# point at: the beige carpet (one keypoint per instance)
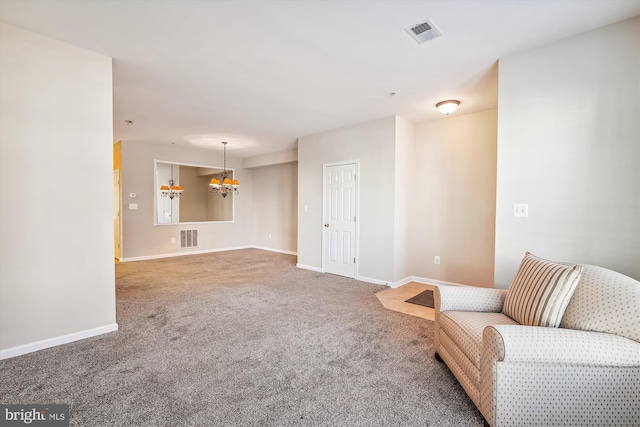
(245, 338)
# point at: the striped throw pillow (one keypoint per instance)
(541, 291)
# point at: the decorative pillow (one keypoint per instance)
(541, 291)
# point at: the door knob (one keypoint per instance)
(326, 225)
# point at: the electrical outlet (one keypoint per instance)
(173, 240)
(520, 209)
(269, 235)
(436, 259)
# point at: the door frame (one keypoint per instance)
(118, 199)
(356, 250)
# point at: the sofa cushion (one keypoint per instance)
(605, 301)
(541, 291)
(464, 369)
(465, 329)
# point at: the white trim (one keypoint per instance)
(402, 282)
(193, 165)
(374, 281)
(342, 162)
(53, 342)
(406, 280)
(193, 223)
(274, 250)
(308, 267)
(171, 255)
(156, 186)
(426, 281)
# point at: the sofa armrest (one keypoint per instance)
(463, 298)
(459, 298)
(550, 366)
(534, 344)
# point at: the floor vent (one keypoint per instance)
(188, 238)
(423, 31)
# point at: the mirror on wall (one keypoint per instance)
(194, 203)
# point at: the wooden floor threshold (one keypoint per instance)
(394, 299)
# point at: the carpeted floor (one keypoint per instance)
(245, 338)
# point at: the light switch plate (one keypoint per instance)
(133, 206)
(520, 209)
(132, 195)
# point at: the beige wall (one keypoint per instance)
(372, 143)
(219, 208)
(271, 159)
(426, 189)
(198, 204)
(275, 207)
(404, 184)
(452, 209)
(142, 239)
(57, 278)
(569, 146)
(193, 203)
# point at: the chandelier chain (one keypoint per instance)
(227, 186)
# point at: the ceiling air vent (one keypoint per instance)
(423, 31)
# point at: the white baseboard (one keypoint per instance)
(397, 284)
(275, 250)
(426, 281)
(370, 280)
(308, 267)
(361, 278)
(402, 282)
(423, 280)
(52, 342)
(204, 251)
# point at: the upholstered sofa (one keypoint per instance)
(584, 369)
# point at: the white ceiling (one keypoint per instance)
(270, 71)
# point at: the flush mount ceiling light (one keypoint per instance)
(448, 107)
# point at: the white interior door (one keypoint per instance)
(339, 228)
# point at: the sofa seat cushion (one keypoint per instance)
(461, 367)
(466, 327)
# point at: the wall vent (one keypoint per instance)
(423, 31)
(188, 238)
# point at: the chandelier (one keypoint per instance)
(227, 186)
(172, 190)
